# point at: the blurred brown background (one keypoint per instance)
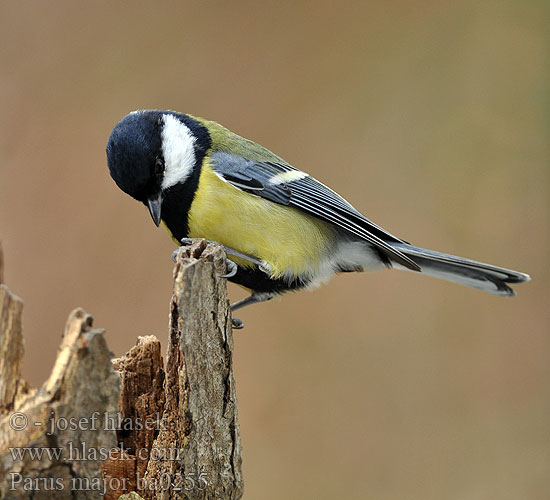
(429, 116)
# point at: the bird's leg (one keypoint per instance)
(232, 267)
(253, 298)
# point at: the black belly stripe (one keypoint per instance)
(258, 281)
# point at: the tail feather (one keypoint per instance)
(467, 272)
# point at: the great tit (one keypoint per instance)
(283, 229)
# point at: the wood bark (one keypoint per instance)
(159, 433)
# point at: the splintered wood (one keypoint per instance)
(44, 433)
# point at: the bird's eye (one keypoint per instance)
(159, 166)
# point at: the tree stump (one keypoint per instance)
(127, 428)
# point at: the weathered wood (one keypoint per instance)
(11, 348)
(58, 422)
(199, 432)
(196, 451)
(131, 496)
(141, 407)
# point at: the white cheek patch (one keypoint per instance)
(178, 151)
(291, 175)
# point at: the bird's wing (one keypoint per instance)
(286, 185)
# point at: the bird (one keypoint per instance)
(282, 229)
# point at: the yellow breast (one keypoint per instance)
(290, 241)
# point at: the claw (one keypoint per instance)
(265, 267)
(237, 324)
(174, 253)
(231, 269)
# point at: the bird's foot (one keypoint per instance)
(231, 266)
(237, 324)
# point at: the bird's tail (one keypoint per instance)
(467, 272)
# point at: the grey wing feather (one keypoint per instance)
(307, 195)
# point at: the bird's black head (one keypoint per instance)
(150, 151)
(134, 153)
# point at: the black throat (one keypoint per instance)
(177, 202)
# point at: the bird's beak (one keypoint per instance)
(155, 204)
